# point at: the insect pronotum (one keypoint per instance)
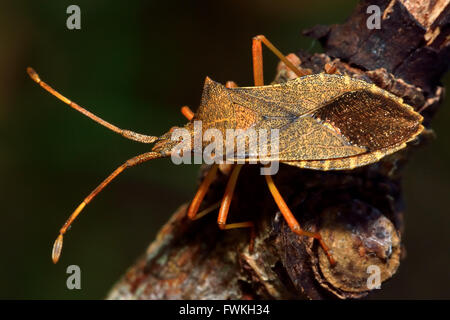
(325, 121)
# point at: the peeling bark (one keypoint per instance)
(359, 212)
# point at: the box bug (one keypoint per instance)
(326, 121)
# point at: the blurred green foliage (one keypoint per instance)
(134, 63)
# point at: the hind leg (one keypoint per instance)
(292, 222)
(258, 60)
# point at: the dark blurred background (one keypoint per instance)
(134, 63)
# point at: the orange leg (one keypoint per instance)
(330, 68)
(187, 112)
(201, 192)
(57, 247)
(292, 222)
(231, 84)
(207, 210)
(258, 60)
(126, 133)
(226, 200)
(258, 74)
(225, 207)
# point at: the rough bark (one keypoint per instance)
(358, 212)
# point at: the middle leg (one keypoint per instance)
(226, 201)
(225, 208)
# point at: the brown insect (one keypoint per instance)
(325, 122)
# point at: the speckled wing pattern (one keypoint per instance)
(327, 122)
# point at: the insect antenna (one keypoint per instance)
(126, 133)
(57, 246)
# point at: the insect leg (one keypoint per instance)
(231, 84)
(187, 112)
(226, 201)
(225, 207)
(201, 192)
(292, 222)
(126, 133)
(258, 74)
(330, 68)
(207, 210)
(256, 50)
(57, 247)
